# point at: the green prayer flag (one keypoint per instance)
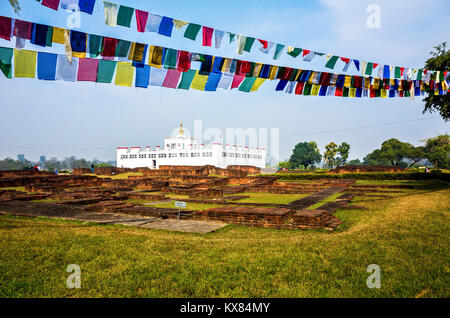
(397, 72)
(48, 40)
(345, 92)
(369, 68)
(105, 71)
(192, 31)
(122, 48)
(307, 89)
(95, 45)
(419, 75)
(124, 16)
(5, 61)
(170, 59)
(295, 52)
(407, 93)
(278, 49)
(248, 44)
(186, 79)
(247, 84)
(332, 62)
(252, 69)
(294, 75)
(232, 36)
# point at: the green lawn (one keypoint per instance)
(407, 236)
(270, 197)
(189, 205)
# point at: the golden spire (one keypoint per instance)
(181, 132)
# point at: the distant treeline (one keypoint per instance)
(68, 163)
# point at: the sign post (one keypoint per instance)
(180, 205)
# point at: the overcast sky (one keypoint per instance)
(90, 120)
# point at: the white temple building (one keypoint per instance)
(185, 151)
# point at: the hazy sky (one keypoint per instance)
(90, 120)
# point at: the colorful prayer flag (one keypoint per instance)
(87, 70)
(124, 74)
(207, 36)
(111, 10)
(46, 66)
(141, 20)
(6, 55)
(166, 26)
(192, 31)
(24, 63)
(105, 71)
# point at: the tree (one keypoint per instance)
(305, 154)
(394, 150)
(437, 151)
(330, 152)
(415, 155)
(343, 151)
(440, 60)
(354, 162)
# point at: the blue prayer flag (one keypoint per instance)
(142, 76)
(265, 71)
(386, 72)
(39, 35)
(356, 64)
(78, 41)
(166, 26)
(86, 6)
(213, 81)
(46, 66)
(217, 65)
(281, 85)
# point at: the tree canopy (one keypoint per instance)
(440, 60)
(437, 151)
(305, 154)
(330, 153)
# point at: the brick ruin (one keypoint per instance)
(204, 184)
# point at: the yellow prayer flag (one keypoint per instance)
(24, 63)
(273, 72)
(131, 51)
(315, 90)
(383, 93)
(376, 83)
(199, 81)
(367, 83)
(348, 81)
(124, 74)
(257, 84)
(58, 35)
(179, 24)
(352, 92)
(226, 65)
(154, 56)
(79, 54)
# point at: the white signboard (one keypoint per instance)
(180, 204)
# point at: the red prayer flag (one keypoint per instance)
(171, 79)
(207, 36)
(109, 47)
(373, 93)
(401, 71)
(87, 69)
(237, 80)
(339, 91)
(184, 61)
(346, 60)
(22, 29)
(299, 88)
(141, 20)
(305, 52)
(264, 43)
(52, 4)
(5, 28)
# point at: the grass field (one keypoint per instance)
(407, 236)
